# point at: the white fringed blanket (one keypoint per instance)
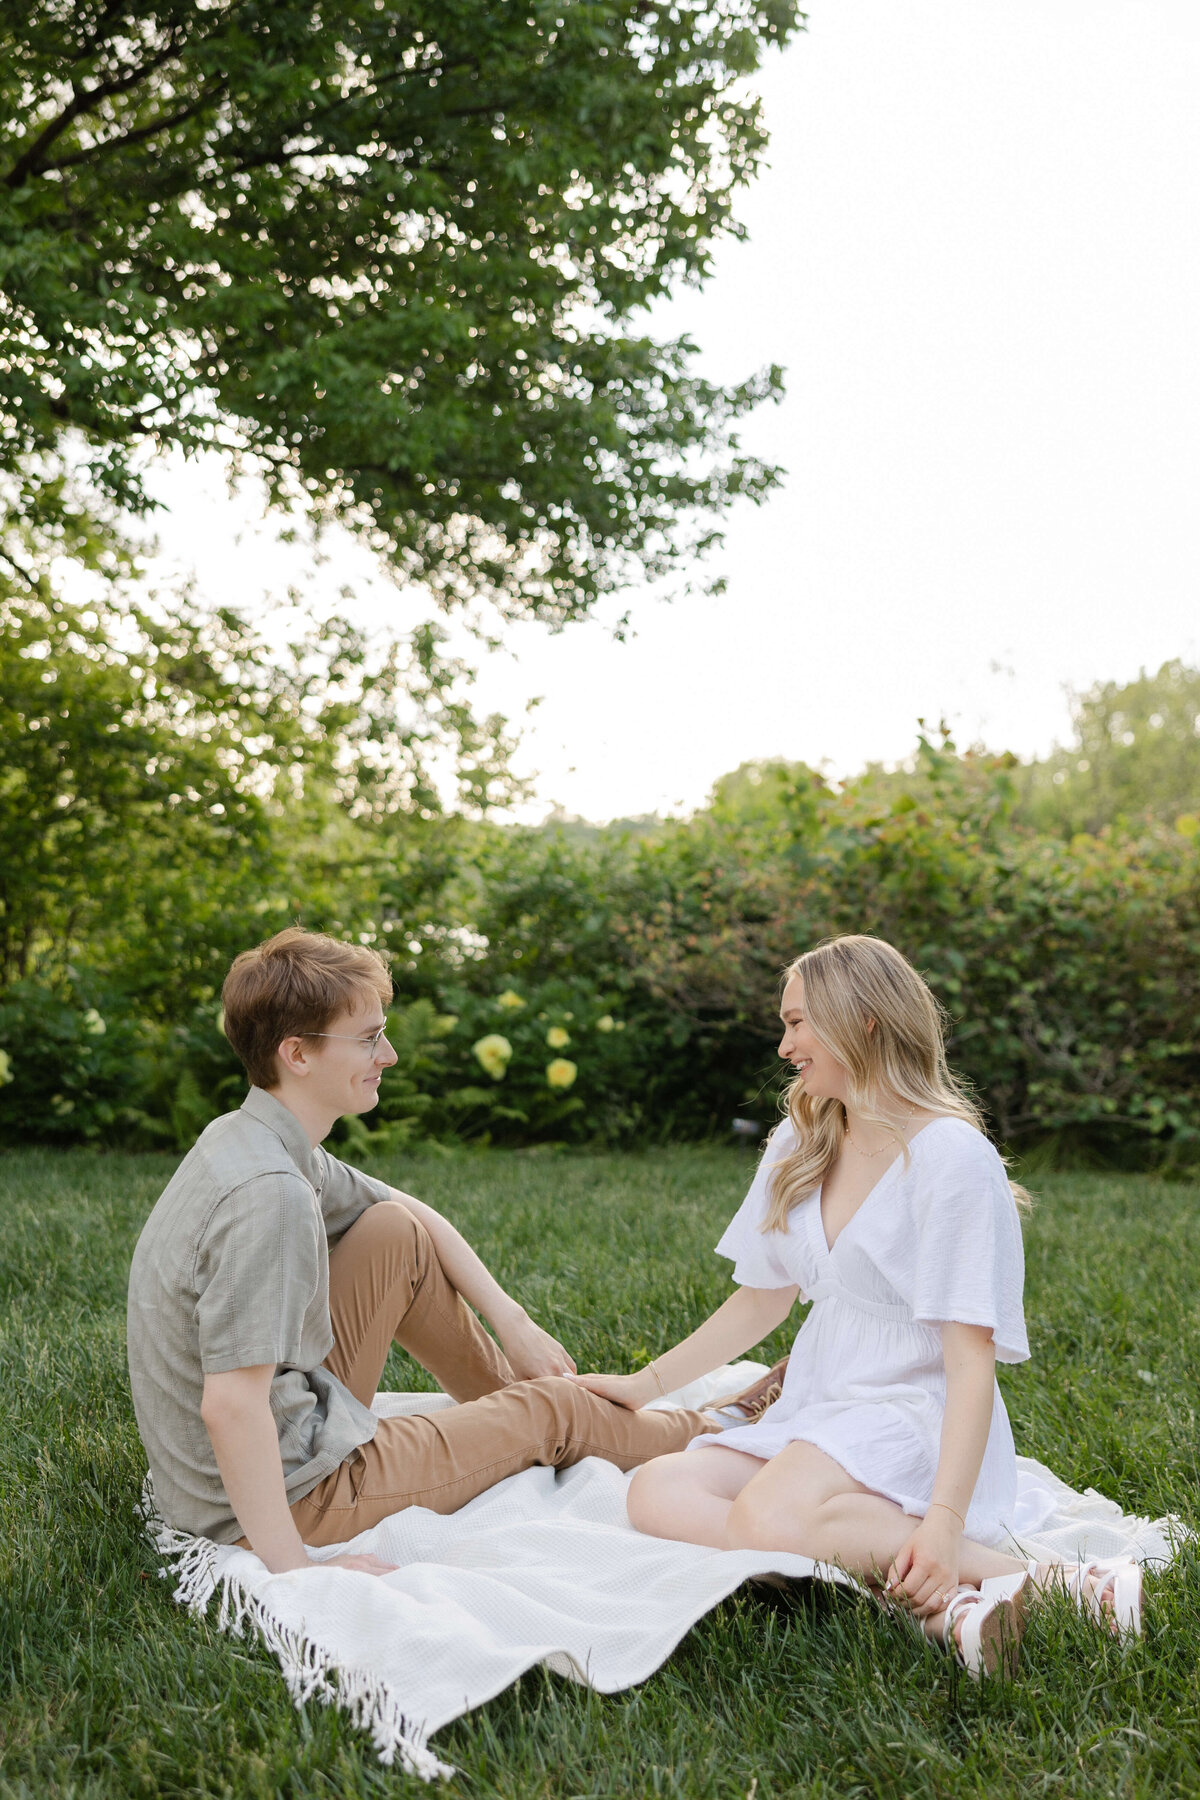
(542, 1569)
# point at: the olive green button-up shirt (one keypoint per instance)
(232, 1270)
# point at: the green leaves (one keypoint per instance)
(388, 254)
(162, 779)
(1136, 754)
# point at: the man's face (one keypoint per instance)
(345, 1067)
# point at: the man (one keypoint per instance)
(271, 1279)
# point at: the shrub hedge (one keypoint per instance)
(632, 978)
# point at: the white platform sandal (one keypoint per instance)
(1087, 1584)
(992, 1624)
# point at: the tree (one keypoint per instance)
(161, 775)
(1136, 754)
(386, 253)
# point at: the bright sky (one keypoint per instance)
(976, 254)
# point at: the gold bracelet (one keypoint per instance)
(950, 1509)
(654, 1371)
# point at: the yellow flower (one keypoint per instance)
(511, 999)
(494, 1053)
(606, 1023)
(557, 1038)
(6, 1073)
(93, 1024)
(444, 1023)
(561, 1073)
(620, 1025)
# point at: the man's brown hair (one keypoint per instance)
(294, 984)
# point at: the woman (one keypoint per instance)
(888, 1451)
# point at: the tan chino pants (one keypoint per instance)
(386, 1284)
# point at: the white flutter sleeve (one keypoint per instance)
(758, 1256)
(970, 1262)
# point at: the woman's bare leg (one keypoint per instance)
(800, 1501)
(688, 1496)
(804, 1501)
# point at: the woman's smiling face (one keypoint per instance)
(824, 1077)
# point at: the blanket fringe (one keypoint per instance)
(310, 1674)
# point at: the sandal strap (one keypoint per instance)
(960, 1602)
(1086, 1584)
(978, 1654)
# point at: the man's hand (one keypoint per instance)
(924, 1574)
(366, 1565)
(530, 1350)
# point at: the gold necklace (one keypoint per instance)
(868, 1154)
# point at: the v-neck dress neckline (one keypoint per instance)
(901, 1161)
(937, 1238)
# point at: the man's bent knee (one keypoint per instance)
(580, 1420)
(389, 1226)
(563, 1403)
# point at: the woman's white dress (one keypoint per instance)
(936, 1239)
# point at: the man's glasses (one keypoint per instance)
(368, 1043)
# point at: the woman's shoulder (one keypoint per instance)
(953, 1146)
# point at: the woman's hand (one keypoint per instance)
(924, 1574)
(530, 1350)
(633, 1391)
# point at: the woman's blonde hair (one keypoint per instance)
(869, 1007)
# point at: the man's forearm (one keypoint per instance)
(474, 1281)
(246, 1447)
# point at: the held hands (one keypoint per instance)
(530, 1350)
(924, 1574)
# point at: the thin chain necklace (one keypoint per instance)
(868, 1154)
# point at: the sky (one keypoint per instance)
(975, 253)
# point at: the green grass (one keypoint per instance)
(106, 1688)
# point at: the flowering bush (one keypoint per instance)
(494, 1053)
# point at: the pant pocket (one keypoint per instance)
(355, 1471)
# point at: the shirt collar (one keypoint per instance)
(291, 1134)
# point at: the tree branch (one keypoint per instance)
(144, 131)
(26, 164)
(27, 575)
